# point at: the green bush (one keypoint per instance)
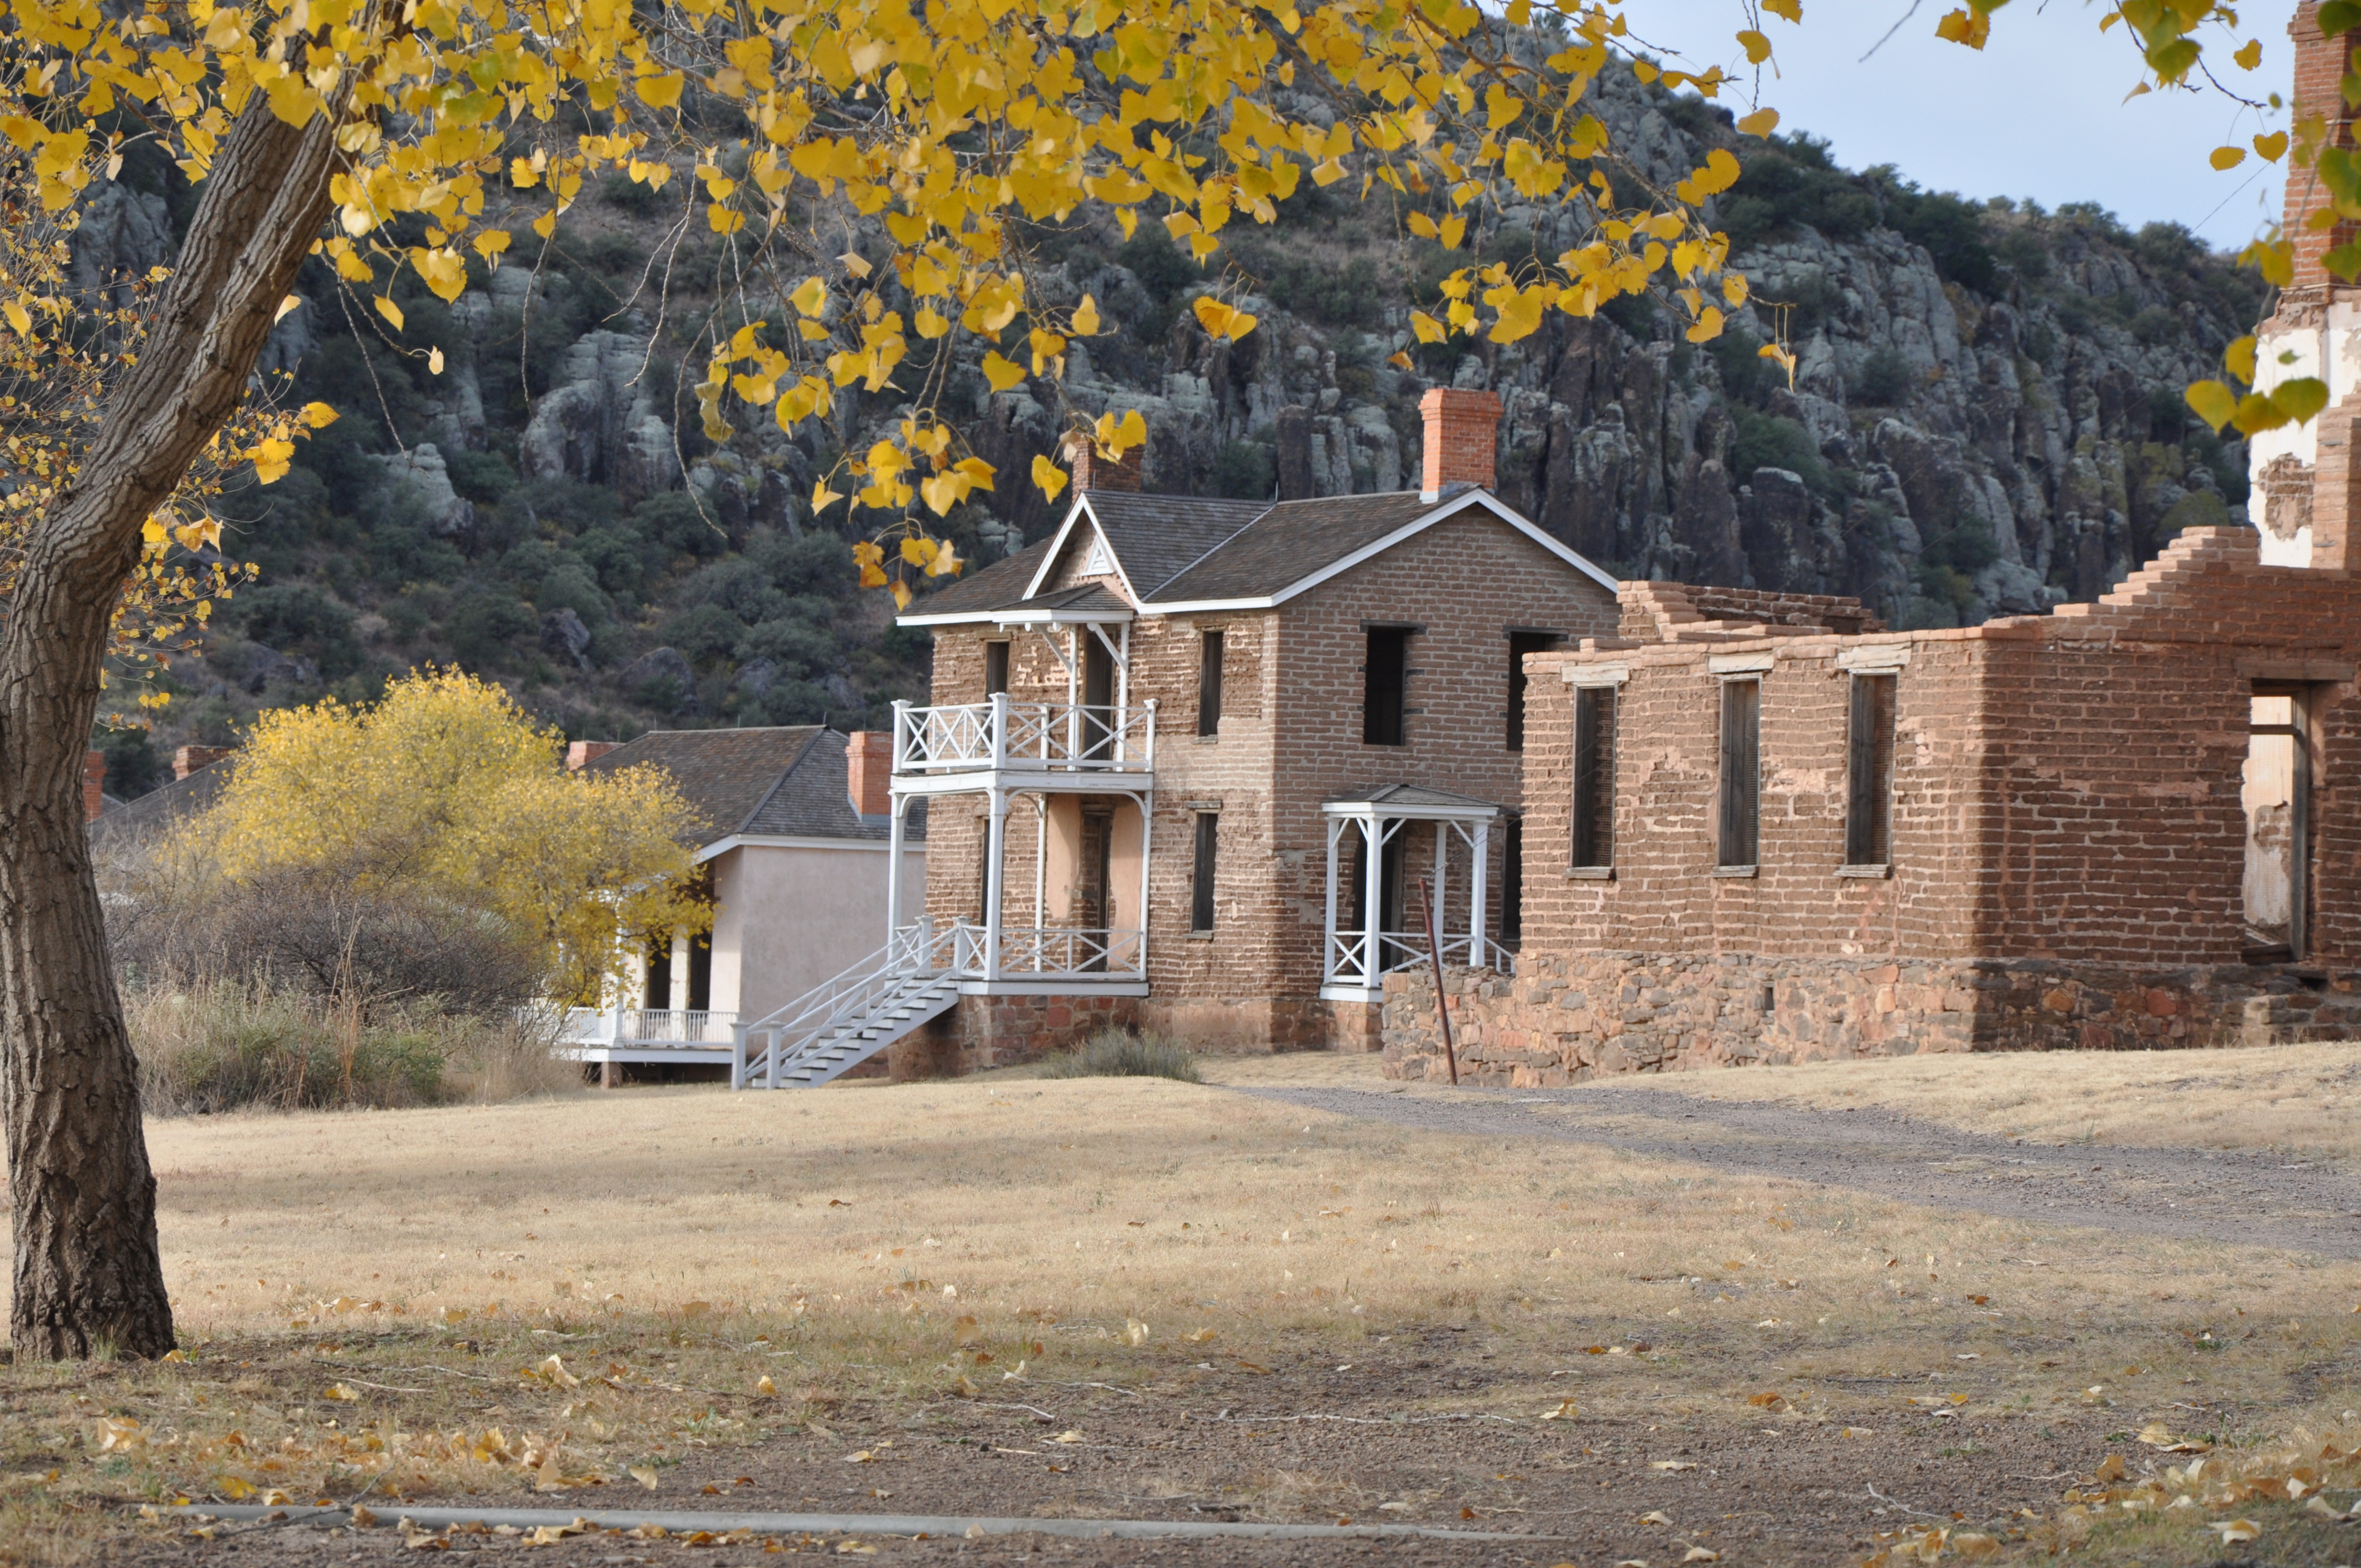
(1118, 1053)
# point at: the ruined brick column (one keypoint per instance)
(2303, 477)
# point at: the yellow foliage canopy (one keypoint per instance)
(449, 789)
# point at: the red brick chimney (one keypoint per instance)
(93, 784)
(1460, 426)
(189, 758)
(1092, 472)
(581, 752)
(2320, 67)
(869, 769)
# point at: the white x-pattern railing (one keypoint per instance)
(1043, 736)
(1401, 950)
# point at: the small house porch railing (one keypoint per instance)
(1001, 735)
(647, 1028)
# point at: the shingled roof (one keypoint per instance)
(120, 827)
(785, 780)
(1176, 551)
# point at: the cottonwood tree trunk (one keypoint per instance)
(88, 1277)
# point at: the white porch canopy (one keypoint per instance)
(1355, 962)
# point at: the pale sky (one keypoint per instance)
(2038, 114)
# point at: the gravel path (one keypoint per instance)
(2259, 1200)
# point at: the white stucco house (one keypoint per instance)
(797, 821)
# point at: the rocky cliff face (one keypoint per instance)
(1991, 433)
(1984, 418)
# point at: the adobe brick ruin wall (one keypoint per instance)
(1567, 1017)
(2067, 852)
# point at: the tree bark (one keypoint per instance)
(88, 1279)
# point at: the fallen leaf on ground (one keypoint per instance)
(1564, 1411)
(1674, 1464)
(2236, 1530)
(644, 1474)
(1656, 1516)
(1700, 1554)
(343, 1391)
(1069, 1437)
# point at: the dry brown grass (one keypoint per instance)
(2301, 1098)
(1095, 1230)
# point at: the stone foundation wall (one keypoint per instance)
(982, 1032)
(1566, 1018)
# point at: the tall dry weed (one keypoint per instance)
(227, 1045)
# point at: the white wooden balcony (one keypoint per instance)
(1063, 744)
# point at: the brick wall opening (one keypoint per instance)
(2275, 788)
(1869, 772)
(1741, 773)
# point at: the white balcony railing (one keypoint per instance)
(1033, 736)
(1349, 954)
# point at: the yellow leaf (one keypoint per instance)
(1968, 27)
(660, 92)
(291, 302)
(434, 362)
(235, 1488)
(855, 263)
(901, 591)
(918, 552)
(2227, 156)
(823, 498)
(1085, 320)
(1760, 123)
(18, 317)
(1453, 230)
(811, 298)
(390, 311)
(2270, 149)
(724, 220)
(1428, 329)
(1048, 476)
(2300, 399)
(1757, 46)
(1708, 327)
(343, 1391)
(319, 416)
(1001, 372)
(645, 1476)
(2239, 358)
(2249, 55)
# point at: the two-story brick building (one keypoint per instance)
(1188, 761)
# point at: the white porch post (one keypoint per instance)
(894, 868)
(1373, 885)
(995, 840)
(1328, 929)
(1040, 862)
(1147, 836)
(1476, 956)
(1074, 697)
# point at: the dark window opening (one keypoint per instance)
(1869, 773)
(1512, 880)
(1385, 681)
(1200, 890)
(1594, 776)
(700, 973)
(1520, 644)
(995, 669)
(1209, 686)
(658, 990)
(1098, 694)
(1093, 890)
(1741, 751)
